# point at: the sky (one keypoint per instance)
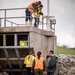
(64, 12)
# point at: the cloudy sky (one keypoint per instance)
(64, 12)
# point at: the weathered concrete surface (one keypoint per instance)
(26, 29)
(40, 40)
(65, 65)
(41, 43)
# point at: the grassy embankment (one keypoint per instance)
(63, 50)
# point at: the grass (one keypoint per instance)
(63, 50)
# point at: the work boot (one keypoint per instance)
(26, 24)
(35, 25)
(30, 23)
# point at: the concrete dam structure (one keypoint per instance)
(17, 41)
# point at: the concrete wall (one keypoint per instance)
(65, 65)
(41, 43)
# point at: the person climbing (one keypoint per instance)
(31, 8)
(37, 15)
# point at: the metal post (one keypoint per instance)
(54, 39)
(5, 19)
(15, 39)
(4, 40)
(0, 22)
(48, 11)
(52, 25)
(11, 24)
(48, 23)
(48, 14)
(42, 21)
(17, 53)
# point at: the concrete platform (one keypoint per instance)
(26, 29)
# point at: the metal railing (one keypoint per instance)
(10, 19)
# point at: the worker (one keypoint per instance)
(30, 10)
(28, 62)
(51, 66)
(38, 64)
(37, 15)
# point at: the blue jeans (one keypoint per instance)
(28, 15)
(36, 23)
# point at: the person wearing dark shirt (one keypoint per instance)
(51, 66)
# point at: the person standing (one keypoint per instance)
(38, 64)
(28, 62)
(37, 15)
(52, 60)
(31, 8)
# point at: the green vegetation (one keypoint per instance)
(63, 50)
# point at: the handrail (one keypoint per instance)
(12, 22)
(14, 17)
(5, 18)
(11, 9)
(5, 15)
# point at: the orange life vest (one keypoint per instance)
(30, 7)
(38, 63)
